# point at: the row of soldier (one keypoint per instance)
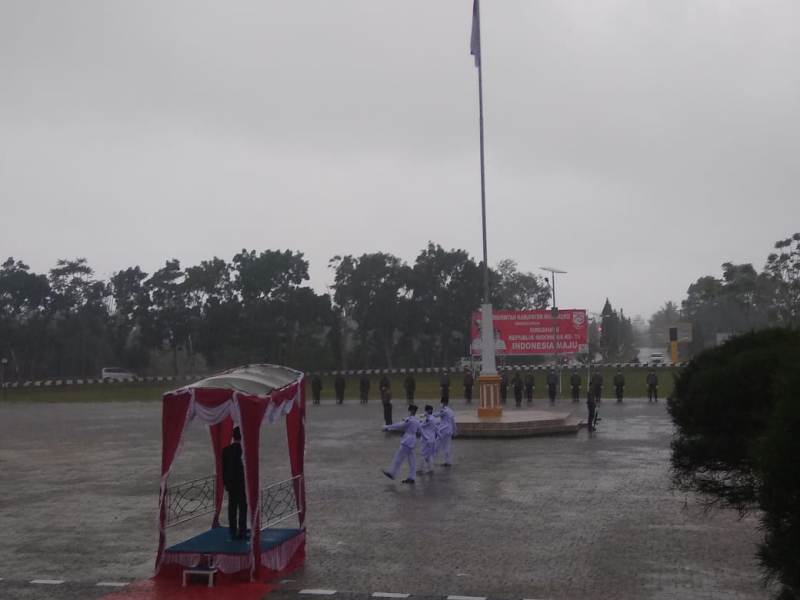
(519, 385)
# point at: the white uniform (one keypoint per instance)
(429, 438)
(409, 426)
(446, 429)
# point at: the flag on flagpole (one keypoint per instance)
(475, 41)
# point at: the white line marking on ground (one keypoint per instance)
(48, 581)
(389, 595)
(318, 592)
(111, 584)
(466, 598)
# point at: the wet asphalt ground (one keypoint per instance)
(553, 517)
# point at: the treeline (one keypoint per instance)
(742, 299)
(257, 307)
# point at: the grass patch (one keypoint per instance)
(100, 392)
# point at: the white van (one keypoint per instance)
(116, 374)
(656, 358)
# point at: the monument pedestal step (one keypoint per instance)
(515, 422)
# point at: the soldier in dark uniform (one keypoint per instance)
(386, 399)
(575, 384)
(619, 384)
(516, 383)
(503, 387)
(596, 386)
(316, 388)
(410, 386)
(233, 479)
(338, 386)
(652, 386)
(530, 383)
(363, 388)
(469, 381)
(552, 386)
(591, 405)
(444, 384)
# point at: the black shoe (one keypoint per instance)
(447, 465)
(389, 475)
(407, 481)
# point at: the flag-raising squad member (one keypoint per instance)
(410, 427)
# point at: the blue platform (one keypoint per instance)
(218, 541)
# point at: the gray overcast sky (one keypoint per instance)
(636, 144)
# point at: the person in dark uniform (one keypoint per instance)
(444, 385)
(233, 480)
(410, 385)
(652, 386)
(619, 384)
(517, 384)
(530, 384)
(575, 384)
(469, 381)
(338, 386)
(591, 405)
(552, 386)
(316, 388)
(596, 386)
(363, 388)
(503, 387)
(386, 399)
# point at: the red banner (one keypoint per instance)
(522, 332)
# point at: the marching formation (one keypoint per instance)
(434, 429)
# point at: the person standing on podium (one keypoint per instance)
(233, 480)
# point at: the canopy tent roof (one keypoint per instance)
(255, 380)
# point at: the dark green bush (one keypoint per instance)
(736, 409)
(778, 467)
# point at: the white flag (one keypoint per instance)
(475, 42)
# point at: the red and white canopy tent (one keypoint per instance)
(243, 397)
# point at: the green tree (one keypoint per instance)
(130, 318)
(169, 314)
(516, 290)
(23, 301)
(447, 286)
(735, 303)
(665, 317)
(616, 335)
(214, 310)
(372, 293)
(77, 321)
(737, 417)
(267, 284)
(783, 272)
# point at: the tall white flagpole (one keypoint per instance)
(488, 364)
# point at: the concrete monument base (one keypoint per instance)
(516, 422)
(489, 397)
